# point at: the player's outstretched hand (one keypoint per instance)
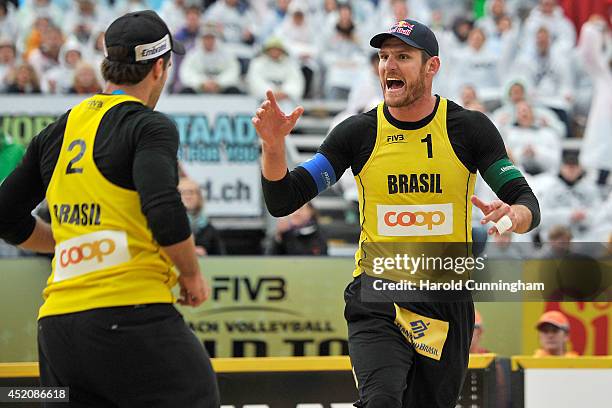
(194, 290)
(495, 211)
(271, 123)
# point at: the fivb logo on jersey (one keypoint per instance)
(90, 253)
(415, 220)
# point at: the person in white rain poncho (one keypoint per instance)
(536, 148)
(597, 146)
(209, 68)
(275, 69)
(570, 198)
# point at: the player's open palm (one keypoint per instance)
(495, 211)
(271, 123)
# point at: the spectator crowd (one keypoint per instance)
(540, 73)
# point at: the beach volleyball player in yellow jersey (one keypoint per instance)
(108, 168)
(414, 158)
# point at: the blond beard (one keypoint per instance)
(415, 90)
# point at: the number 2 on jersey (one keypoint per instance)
(427, 139)
(80, 143)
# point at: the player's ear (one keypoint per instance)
(433, 65)
(158, 68)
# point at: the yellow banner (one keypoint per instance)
(273, 307)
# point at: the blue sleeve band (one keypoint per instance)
(321, 171)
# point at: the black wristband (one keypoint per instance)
(517, 191)
(531, 202)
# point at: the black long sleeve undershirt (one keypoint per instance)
(135, 148)
(475, 140)
(286, 195)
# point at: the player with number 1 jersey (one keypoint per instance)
(414, 158)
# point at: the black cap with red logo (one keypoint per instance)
(411, 32)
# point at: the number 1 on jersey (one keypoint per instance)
(427, 139)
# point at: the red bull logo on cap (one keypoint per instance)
(402, 27)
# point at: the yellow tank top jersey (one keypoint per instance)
(105, 254)
(413, 188)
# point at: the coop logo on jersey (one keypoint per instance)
(89, 253)
(402, 27)
(415, 220)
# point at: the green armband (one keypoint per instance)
(499, 173)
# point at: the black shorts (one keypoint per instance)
(411, 355)
(133, 356)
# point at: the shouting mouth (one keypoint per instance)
(394, 85)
